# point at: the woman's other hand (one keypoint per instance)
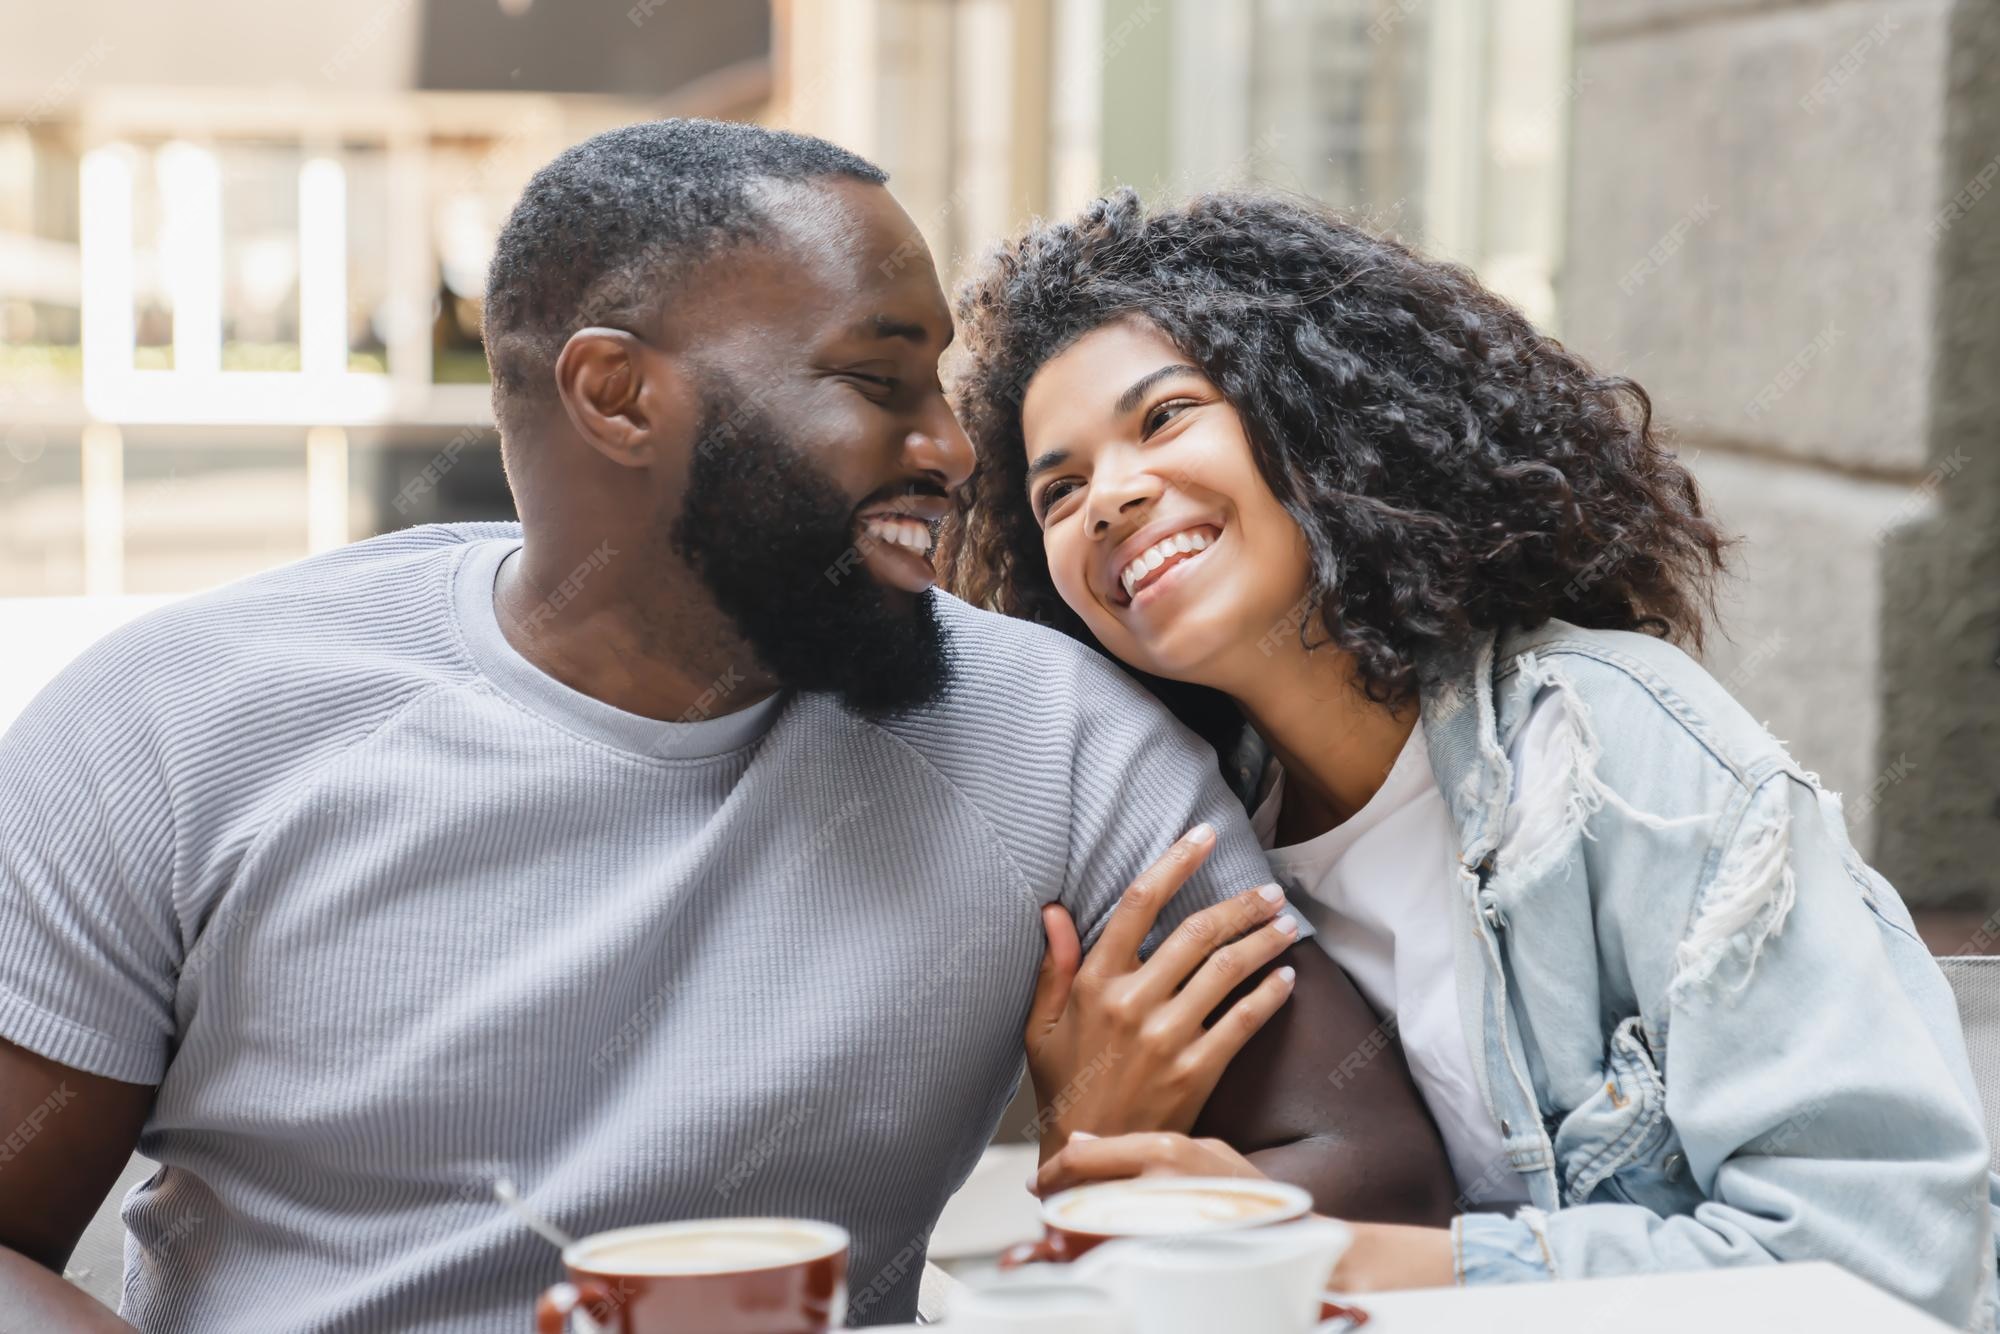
(1116, 1045)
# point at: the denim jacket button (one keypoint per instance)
(1673, 1165)
(1505, 1129)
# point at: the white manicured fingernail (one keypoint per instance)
(1201, 833)
(1081, 1134)
(1287, 973)
(1271, 894)
(1287, 924)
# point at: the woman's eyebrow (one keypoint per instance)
(1130, 398)
(1048, 462)
(1127, 401)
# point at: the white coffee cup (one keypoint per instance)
(1032, 1306)
(1268, 1279)
(1077, 1220)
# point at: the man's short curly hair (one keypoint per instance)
(602, 233)
(1452, 469)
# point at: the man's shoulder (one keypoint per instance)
(1017, 670)
(1043, 735)
(1027, 705)
(370, 591)
(352, 573)
(303, 636)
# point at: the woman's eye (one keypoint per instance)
(1165, 412)
(1053, 493)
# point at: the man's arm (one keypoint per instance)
(1208, 1035)
(67, 1137)
(1321, 1094)
(1322, 1098)
(1312, 1090)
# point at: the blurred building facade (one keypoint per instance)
(240, 264)
(240, 267)
(1441, 120)
(1777, 222)
(241, 261)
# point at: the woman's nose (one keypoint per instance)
(1101, 523)
(1115, 494)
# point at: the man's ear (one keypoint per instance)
(622, 396)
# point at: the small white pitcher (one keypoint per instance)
(1264, 1280)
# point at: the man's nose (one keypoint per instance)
(942, 451)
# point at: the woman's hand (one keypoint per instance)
(1086, 1158)
(1383, 1257)
(1116, 1045)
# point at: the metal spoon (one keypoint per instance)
(503, 1191)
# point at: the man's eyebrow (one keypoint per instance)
(1130, 398)
(1048, 462)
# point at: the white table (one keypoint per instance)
(992, 1210)
(1811, 1298)
(1771, 1299)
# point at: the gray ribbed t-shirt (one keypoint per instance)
(386, 912)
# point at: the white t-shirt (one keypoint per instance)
(1380, 887)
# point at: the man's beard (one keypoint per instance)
(774, 541)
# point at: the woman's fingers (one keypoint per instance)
(1117, 948)
(1214, 1050)
(1232, 966)
(1058, 974)
(1194, 943)
(1086, 1158)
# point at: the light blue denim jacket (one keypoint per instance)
(1706, 1029)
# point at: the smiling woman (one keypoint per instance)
(1423, 575)
(1215, 560)
(1443, 464)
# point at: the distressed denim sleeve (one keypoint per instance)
(1814, 1073)
(1493, 1248)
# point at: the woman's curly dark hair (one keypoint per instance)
(1453, 470)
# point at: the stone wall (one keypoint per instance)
(1784, 221)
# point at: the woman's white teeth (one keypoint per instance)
(911, 533)
(1153, 557)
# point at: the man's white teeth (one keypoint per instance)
(911, 533)
(1153, 557)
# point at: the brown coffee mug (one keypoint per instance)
(1078, 1220)
(718, 1276)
